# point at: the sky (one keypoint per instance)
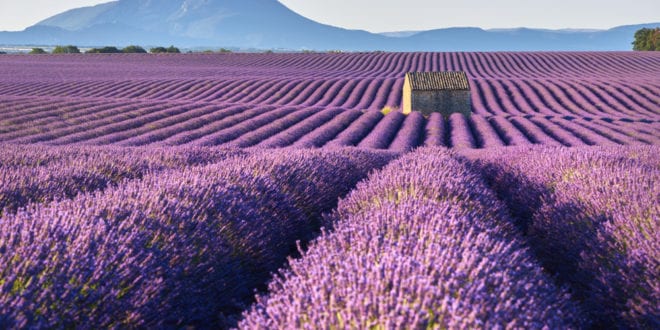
(406, 15)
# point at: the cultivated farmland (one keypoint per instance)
(265, 191)
(278, 100)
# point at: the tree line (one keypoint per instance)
(133, 49)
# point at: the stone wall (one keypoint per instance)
(445, 102)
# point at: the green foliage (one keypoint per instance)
(158, 50)
(170, 49)
(224, 50)
(134, 49)
(69, 49)
(37, 51)
(647, 39)
(104, 50)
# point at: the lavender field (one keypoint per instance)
(277, 100)
(279, 191)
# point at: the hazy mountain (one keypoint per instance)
(524, 39)
(221, 23)
(267, 24)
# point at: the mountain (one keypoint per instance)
(524, 39)
(268, 24)
(262, 24)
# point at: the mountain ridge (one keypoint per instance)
(268, 24)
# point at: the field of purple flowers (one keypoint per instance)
(277, 100)
(271, 191)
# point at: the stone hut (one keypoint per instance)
(443, 92)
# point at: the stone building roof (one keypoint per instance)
(446, 80)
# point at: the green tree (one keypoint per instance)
(69, 49)
(104, 50)
(172, 49)
(647, 39)
(158, 50)
(134, 49)
(37, 51)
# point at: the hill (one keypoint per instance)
(268, 24)
(262, 24)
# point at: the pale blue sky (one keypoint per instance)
(398, 15)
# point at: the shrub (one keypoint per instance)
(104, 50)
(159, 50)
(134, 49)
(70, 49)
(37, 51)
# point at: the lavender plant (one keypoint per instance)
(428, 247)
(177, 248)
(591, 217)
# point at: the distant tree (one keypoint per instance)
(70, 49)
(224, 50)
(134, 49)
(104, 50)
(647, 39)
(3, 53)
(172, 49)
(37, 51)
(270, 51)
(158, 50)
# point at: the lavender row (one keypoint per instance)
(409, 136)
(500, 65)
(425, 247)
(175, 249)
(615, 85)
(591, 215)
(289, 136)
(206, 124)
(359, 129)
(384, 132)
(34, 174)
(328, 131)
(272, 128)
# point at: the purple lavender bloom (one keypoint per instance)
(590, 215)
(428, 246)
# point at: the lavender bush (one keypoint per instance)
(177, 248)
(32, 174)
(591, 215)
(425, 247)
